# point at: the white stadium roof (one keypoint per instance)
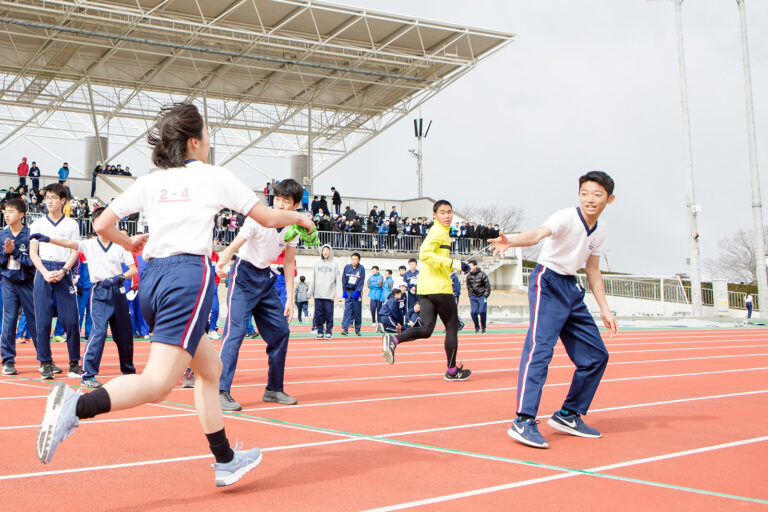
(265, 73)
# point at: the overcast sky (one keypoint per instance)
(589, 85)
(592, 84)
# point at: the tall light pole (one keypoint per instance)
(690, 198)
(420, 133)
(757, 206)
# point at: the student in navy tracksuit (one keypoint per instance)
(574, 239)
(413, 318)
(391, 314)
(53, 278)
(140, 327)
(352, 282)
(109, 307)
(17, 275)
(456, 285)
(411, 278)
(83, 285)
(252, 292)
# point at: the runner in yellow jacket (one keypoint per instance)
(435, 293)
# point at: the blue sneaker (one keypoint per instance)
(527, 432)
(59, 421)
(232, 471)
(572, 424)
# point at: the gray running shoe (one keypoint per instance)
(278, 397)
(54, 368)
(189, 379)
(9, 368)
(228, 403)
(232, 471)
(47, 371)
(59, 421)
(388, 346)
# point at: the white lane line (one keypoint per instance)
(345, 438)
(494, 390)
(570, 474)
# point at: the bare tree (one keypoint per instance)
(507, 217)
(736, 261)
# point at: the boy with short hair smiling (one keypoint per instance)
(109, 306)
(251, 292)
(573, 239)
(17, 274)
(54, 265)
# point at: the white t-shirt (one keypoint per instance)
(65, 228)
(180, 205)
(263, 245)
(104, 262)
(571, 243)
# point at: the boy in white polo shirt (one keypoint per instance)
(109, 306)
(556, 300)
(252, 292)
(53, 276)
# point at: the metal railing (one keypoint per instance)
(650, 289)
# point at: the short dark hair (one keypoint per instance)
(58, 189)
(412, 260)
(439, 203)
(472, 262)
(396, 292)
(333, 188)
(401, 267)
(96, 213)
(599, 177)
(17, 204)
(389, 270)
(176, 124)
(289, 189)
(355, 254)
(375, 267)
(302, 278)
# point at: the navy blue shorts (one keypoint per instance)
(175, 300)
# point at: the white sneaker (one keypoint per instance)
(230, 472)
(214, 335)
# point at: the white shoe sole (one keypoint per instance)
(514, 434)
(53, 404)
(389, 355)
(237, 475)
(564, 428)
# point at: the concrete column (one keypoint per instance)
(96, 151)
(300, 171)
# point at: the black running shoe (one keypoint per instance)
(54, 368)
(461, 374)
(47, 371)
(75, 371)
(345, 333)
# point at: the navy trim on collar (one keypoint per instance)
(190, 161)
(583, 221)
(57, 222)
(105, 249)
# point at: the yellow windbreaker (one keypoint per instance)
(434, 255)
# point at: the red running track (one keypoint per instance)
(684, 415)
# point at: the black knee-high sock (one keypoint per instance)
(220, 446)
(93, 403)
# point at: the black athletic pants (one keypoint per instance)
(432, 306)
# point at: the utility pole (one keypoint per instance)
(418, 130)
(693, 209)
(757, 204)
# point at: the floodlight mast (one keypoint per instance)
(757, 206)
(420, 133)
(694, 264)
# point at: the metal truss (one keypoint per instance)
(258, 70)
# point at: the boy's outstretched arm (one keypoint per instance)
(595, 279)
(525, 239)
